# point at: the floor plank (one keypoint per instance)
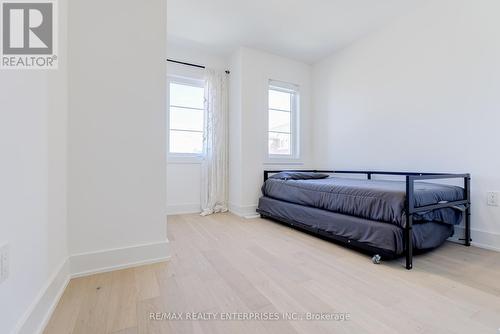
(222, 264)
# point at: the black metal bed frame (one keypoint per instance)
(410, 209)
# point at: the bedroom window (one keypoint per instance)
(282, 120)
(186, 116)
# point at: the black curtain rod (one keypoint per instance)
(189, 64)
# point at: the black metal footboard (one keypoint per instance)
(410, 209)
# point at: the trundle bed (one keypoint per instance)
(388, 218)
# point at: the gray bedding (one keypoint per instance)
(380, 235)
(375, 200)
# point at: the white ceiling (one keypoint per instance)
(306, 30)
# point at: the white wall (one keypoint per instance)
(421, 94)
(235, 132)
(99, 188)
(33, 140)
(250, 74)
(184, 175)
(117, 137)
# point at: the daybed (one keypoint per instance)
(387, 218)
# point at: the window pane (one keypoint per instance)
(279, 100)
(186, 142)
(186, 119)
(187, 96)
(279, 143)
(279, 121)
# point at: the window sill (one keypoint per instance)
(184, 160)
(278, 162)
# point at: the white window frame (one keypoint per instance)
(294, 119)
(174, 157)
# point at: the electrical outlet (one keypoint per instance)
(493, 198)
(4, 262)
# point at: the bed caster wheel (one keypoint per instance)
(376, 259)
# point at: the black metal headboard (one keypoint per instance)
(367, 173)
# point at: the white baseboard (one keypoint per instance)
(84, 264)
(38, 314)
(118, 258)
(182, 209)
(481, 239)
(245, 211)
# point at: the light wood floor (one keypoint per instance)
(222, 263)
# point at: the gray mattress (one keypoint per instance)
(375, 200)
(387, 237)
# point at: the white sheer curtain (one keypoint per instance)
(214, 168)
